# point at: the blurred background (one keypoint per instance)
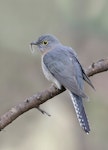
(81, 24)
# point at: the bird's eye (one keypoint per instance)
(45, 42)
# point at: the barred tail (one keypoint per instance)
(80, 112)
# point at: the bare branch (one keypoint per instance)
(98, 67)
(36, 100)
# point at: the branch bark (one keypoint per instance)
(41, 97)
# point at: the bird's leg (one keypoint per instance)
(43, 111)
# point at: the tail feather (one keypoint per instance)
(80, 112)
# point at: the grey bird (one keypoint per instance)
(61, 66)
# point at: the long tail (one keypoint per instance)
(80, 112)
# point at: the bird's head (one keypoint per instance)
(45, 42)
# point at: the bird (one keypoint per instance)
(61, 66)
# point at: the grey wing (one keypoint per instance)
(66, 70)
(85, 77)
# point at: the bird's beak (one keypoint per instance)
(31, 45)
(34, 43)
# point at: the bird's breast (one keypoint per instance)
(49, 76)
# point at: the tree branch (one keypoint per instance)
(41, 97)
